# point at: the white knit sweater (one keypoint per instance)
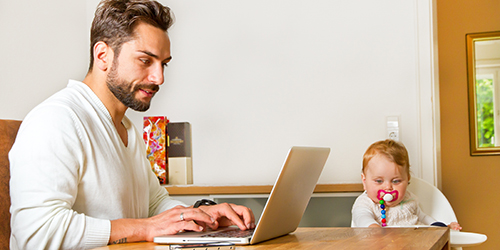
(71, 174)
(407, 213)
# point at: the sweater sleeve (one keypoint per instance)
(362, 215)
(159, 199)
(423, 218)
(45, 167)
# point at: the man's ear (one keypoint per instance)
(103, 56)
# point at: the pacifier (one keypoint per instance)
(384, 197)
(387, 196)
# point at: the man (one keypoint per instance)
(79, 174)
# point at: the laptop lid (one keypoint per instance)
(286, 204)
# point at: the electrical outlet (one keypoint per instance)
(393, 128)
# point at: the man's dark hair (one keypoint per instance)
(115, 20)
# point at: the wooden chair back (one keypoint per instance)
(8, 132)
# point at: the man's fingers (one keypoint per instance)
(226, 210)
(189, 226)
(246, 214)
(192, 214)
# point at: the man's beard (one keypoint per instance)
(125, 92)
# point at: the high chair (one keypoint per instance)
(434, 203)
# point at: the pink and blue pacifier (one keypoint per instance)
(384, 197)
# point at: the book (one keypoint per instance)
(156, 138)
(180, 153)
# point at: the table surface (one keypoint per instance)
(339, 238)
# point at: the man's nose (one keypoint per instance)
(156, 75)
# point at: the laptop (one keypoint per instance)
(284, 208)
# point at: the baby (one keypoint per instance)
(386, 202)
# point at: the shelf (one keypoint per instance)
(255, 189)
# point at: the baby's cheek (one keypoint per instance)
(401, 197)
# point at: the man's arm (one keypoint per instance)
(44, 183)
(171, 222)
(168, 222)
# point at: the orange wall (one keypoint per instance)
(471, 183)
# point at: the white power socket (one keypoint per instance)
(393, 127)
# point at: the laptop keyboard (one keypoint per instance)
(233, 233)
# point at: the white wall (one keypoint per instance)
(43, 44)
(253, 78)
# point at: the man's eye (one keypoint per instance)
(145, 61)
(164, 65)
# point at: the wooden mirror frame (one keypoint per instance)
(471, 80)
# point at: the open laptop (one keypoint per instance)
(284, 208)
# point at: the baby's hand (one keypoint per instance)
(455, 226)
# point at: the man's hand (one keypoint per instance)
(172, 221)
(179, 219)
(226, 214)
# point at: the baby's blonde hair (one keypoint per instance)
(394, 151)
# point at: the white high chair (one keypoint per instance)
(434, 203)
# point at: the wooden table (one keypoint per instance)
(435, 238)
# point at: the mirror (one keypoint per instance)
(483, 71)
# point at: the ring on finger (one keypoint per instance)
(182, 216)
